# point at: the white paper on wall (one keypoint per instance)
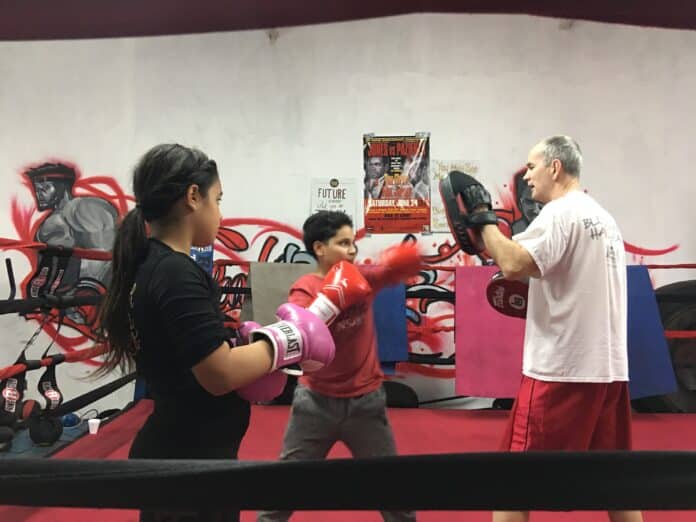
(438, 170)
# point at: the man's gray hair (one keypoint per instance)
(566, 150)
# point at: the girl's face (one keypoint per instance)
(207, 216)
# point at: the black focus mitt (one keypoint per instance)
(468, 207)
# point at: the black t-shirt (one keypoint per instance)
(178, 323)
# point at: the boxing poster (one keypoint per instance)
(396, 183)
(438, 171)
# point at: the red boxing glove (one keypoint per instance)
(344, 286)
(507, 297)
(399, 263)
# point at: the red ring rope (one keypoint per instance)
(83, 253)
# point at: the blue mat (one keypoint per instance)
(649, 364)
(389, 309)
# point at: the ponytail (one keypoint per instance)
(160, 179)
(129, 250)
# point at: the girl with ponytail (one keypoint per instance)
(161, 314)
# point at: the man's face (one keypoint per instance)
(47, 193)
(539, 176)
(375, 167)
(525, 203)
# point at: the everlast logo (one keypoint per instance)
(517, 301)
(38, 282)
(294, 348)
(498, 297)
(11, 395)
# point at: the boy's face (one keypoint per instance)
(341, 247)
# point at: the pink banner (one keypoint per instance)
(488, 344)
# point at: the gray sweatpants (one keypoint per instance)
(317, 422)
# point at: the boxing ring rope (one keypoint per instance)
(682, 265)
(492, 480)
(105, 255)
(92, 396)
(680, 334)
(55, 301)
(53, 360)
(676, 334)
(83, 253)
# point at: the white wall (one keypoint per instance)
(277, 112)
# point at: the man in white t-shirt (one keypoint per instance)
(574, 390)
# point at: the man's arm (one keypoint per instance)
(513, 259)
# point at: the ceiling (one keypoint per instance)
(69, 19)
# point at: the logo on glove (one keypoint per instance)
(517, 301)
(294, 348)
(507, 297)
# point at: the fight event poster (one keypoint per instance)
(396, 183)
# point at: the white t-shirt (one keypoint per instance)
(577, 310)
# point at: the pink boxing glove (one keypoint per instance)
(266, 388)
(245, 329)
(299, 337)
(344, 286)
(399, 263)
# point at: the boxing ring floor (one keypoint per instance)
(417, 431)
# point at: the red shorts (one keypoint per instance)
(569, 416)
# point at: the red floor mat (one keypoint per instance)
(417, 431)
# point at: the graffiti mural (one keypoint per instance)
(69, 221)
(72, 212)
(69, 213)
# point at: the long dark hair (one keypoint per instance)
(160, 179)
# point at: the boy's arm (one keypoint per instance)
(300, 296)
(342, 287)
(373, 275)
(395, 265)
